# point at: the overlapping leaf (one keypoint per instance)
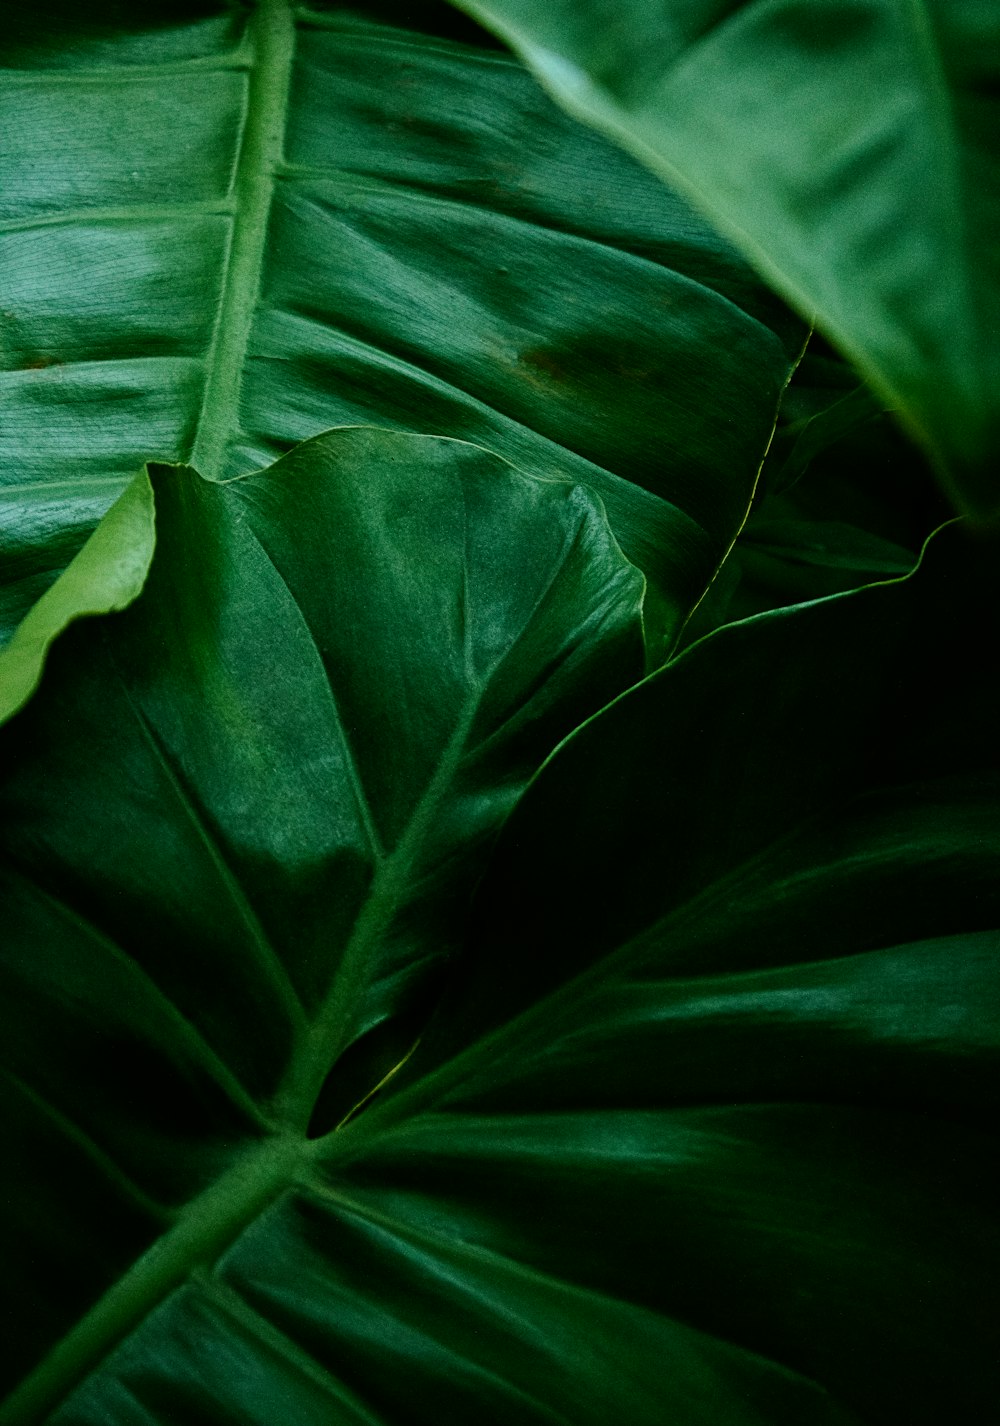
(223, 231)
(106, 575)
(700, 1130)
(242, 820)
(851, 148)
(844, 500)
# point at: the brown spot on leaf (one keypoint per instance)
(588, 365)
(544, 361)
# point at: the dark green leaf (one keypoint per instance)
(702, 1131)
(845, 415)
(242, 821)
(844, 500)
(222, 232)
(726, 1041)
(850, 148)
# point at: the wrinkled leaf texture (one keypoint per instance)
(850, 148)
(225, 230)
(700, 1130)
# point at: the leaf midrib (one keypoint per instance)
(271, 37)
(330, 1032)
(264, 1170)
(205, 1228)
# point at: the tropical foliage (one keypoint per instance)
(498, 825)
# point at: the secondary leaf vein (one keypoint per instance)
(269, 963)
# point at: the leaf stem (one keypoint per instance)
(201, 1232)
(331, 1030)
(271, 35)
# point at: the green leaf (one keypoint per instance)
(107, 574)
(243, 819)
(721, 1061)
(222, 232)
(702, 1129)
(811, 437)
(844, 499)
(848, 147)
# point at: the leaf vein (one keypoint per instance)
(204, 1054)
(269, 962)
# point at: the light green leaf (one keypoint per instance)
(223, 231)
(850, 148)
(107, 574)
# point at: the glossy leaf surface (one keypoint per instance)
(701, 1130)
(224, 230)
(851, 148)
(243, 820)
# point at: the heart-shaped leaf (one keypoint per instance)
(244, 818)
(850, 148)
(223, 231)
(700, 1131)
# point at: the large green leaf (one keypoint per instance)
(702, 1130)
(851, 148)
(223, 231)
(242, 821)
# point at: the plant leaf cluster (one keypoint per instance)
(500, 799)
